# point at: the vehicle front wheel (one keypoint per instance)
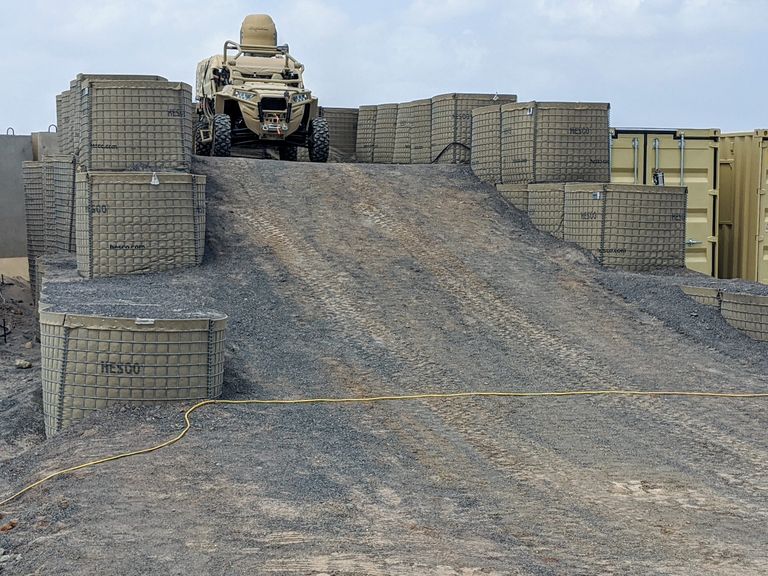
(319, 140)
(222, 135)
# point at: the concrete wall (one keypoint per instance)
(13, 231)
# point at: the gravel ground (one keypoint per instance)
(347, 280)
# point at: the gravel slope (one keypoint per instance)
(362, 279)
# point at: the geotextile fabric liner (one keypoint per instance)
(547, 142)
(92, 362)
(342, 124)
(632, 227)
(486, 144)
(452, 124)
(34, 207)
(546, 207)
(421, 131)
(514, 194)
(134, 125)
(402, 153)
(366, 132)
(746, 312)
(384, 135)
(127, 225)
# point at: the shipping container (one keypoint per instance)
(676, 157)
(743, 216)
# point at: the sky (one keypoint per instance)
(659, 63)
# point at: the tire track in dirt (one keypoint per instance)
(508, 323)
(531, 465)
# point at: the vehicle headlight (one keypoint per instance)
(240, 95)
(297, 98)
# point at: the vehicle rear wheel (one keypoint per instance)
(222, 135)
(319, 140)
(289, 153)
(201, 148)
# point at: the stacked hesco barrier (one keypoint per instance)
(366, 133)
(632, 227)
(486, 143)
(105, 351)
(421, 131)
(543, 142)
(546, 208)
(126, 201)
(342, 124)
(451, 138)
(129, 222)
(134, 125)
(516, 195)
(34, 206)
(403, 130)
(384, 134)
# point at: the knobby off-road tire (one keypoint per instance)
(289, 153)
(222, 135)
(319, 141)
(201, 148)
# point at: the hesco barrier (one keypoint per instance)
(636, 228)
(545, 142)
(681, 158)
(366, 132)
(403, 131)
(94, 361)
(34, 206)
(64, 120)
(74, 106)
(59, 195)
(384, 136)
(134, 125)
(342, 123)
(514, 194)
(703, 295)
(486, 143)
(421, 131)
(546, 207)
(136, 222)
(746, 312)
(452, 124)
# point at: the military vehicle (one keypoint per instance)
(253, 96)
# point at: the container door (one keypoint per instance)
(762, 234)
(690, 162)
(626, 158)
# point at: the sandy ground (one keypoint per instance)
(347, 280)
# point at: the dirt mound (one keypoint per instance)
(345, 280)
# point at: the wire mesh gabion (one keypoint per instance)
(632, 227)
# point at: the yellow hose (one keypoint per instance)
(440, 395)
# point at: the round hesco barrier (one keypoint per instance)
(746, 312)
(91, 361)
